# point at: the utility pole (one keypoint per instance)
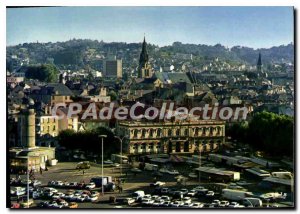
(102, 136)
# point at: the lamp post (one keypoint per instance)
(102, 136)
(200, 145)
(121, 150)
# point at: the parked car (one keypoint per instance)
(147, 201)
(128, 201)
(58, 195)
(224, 204)
(58, 184)
(173, 172)
(210, 194)
(83, 165)
(233, 204)
(197, 205)
(215, 203)
(176, 204)
(158, 202)
(27, 203)
(73, 205)
(187, 199)
(15, 206)
(36, 183)
(158, 183)
(192, 193)
(91, 185)
(138, 195)
(184, 191)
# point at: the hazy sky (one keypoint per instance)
(255, 27)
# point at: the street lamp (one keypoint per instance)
(102, 136)
(121, 159)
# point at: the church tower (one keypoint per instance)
(259, 63)
(144, 70)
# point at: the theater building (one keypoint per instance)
(181, 137)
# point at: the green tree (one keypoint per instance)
(89, 140)
(44, 72)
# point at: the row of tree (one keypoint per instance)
(89, 140)
(268, 132)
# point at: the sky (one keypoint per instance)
(256, 27)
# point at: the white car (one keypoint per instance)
(158, 202)
(59, 183)
(176, 203)
(215, 203)
(81, 198)
(173, 172)
(129, 201)
(91, 185)
(91, 198)
(58, 195)
(53, 204)
(224, 204)
(18, 191)
(158, 183)
(192, 193)
(187, 200)
(234, 204)
(210, 194)
(147, 201)
(147, 196)
(63, 203)
(197, 188)
(197, 205)
(68, 196)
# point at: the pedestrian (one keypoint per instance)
(83, 171)
(41, 170)
(121, 189)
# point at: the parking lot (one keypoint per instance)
(66, 172)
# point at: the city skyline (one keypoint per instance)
(255, 27)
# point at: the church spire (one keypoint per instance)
(144, 54)
(259, 63)
(144, 70)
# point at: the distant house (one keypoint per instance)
(53, 93)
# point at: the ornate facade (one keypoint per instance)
(171, 137)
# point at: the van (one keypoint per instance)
(83, 165)
(255, 202)
(235, 195)
(138, 195)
